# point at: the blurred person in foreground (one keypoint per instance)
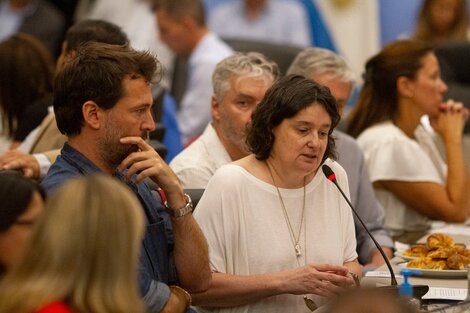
(331, 70)
(281, 238)
(102, 102)
(414, 185)
(70, 264)
(370, 300)
(22, 200)
(239, 83)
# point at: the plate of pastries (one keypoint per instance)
(439, 256)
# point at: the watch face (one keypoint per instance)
(188, 208)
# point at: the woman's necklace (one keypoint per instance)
(311, 305)
(295, 241)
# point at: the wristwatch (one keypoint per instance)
(188, 208)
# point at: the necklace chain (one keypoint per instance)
(295, 240)
(309, 303)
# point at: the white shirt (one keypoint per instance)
(195, 109)
(247, 233)
(196, 164)
(283, 22)
(391, 155)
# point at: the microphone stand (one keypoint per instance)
(418, 290)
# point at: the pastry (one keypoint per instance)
(441, 253)
(436, 241)
(460, 248)
(419, 263)
(457, 262)
(418, 250)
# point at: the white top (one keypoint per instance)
(391, 155)
(283, 22)
(242, 219)
(196, 164)
(195, 109)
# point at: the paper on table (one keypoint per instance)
(381, 274)
(446, 293)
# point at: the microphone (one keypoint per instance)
(331, 176)
(418, 290)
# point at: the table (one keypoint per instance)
(460, 283)
(414, 280)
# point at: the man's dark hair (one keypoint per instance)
(287, 97)
(94, 30)
(96, 74)
(177, 9)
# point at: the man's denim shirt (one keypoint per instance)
(156, 268)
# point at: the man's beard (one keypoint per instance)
(236, 136)
(111, 150)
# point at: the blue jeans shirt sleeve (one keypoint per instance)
(157, 296)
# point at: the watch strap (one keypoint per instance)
(188, 208)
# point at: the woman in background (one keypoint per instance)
(403, 83)
(83, 253)
(26, 73)
(442, 20)
(21, 204)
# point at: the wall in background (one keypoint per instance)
(397, 18)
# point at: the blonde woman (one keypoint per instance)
(82, 256)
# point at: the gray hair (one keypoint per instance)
(249, 64)
(311, 61)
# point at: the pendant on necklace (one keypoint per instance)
(311, 305)
(298, 251)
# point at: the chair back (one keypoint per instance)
(282, 54)
(454, 62)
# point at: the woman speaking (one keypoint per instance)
(280, 236)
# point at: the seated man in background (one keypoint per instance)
(239, 83)
(329, 69)
(38, 18)
(102, 102)
(183, 29)
(277, 21)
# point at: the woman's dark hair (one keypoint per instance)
(287, 97)
(26, 75)
(378, 99)
(16, 193)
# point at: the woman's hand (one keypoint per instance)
(320, 279)
(449, 123)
